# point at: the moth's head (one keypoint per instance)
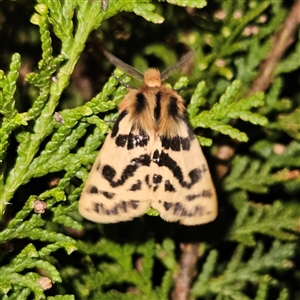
(152, 78)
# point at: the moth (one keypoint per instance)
(150, 158)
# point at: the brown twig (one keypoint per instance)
(188, 260)
(283, 39)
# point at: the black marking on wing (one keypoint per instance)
(121, 140)
(94, 190)
(173, 143)
(173, 107)
(109, 172)
(137, 186)
(123, 205)
(134, 203)
(115, 128)
(167, 205)
(195, 176)
(207, 193)
(147, 180)
(140, 140)
(107, 195)
(169, 187)
(203, 194)
(97, 207)
(179, 210)
(164, 160)
(157, 179)
(141, 103)
(193, 197)
(100, 209)
(178, 143)
(157, 107)
(199, 210)
(120, 207)
(189, 128)
(132, 140)
(185, 143)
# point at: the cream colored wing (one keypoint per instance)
(117, 188)
(181, 185)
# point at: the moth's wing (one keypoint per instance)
(181, 185)
(117, 188)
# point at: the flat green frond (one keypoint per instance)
(197, 99)
(165, 252)
(289, 123)
(61, 297)
(258, 218)
(253, 175)
(8, 88)
(236, 277)
(238, 25)
(229, 107)
(278, 155)
(189, 3)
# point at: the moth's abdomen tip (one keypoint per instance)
(152, 78)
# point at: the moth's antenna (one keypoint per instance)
(123, 83)
(177, 66)
(129, 70)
